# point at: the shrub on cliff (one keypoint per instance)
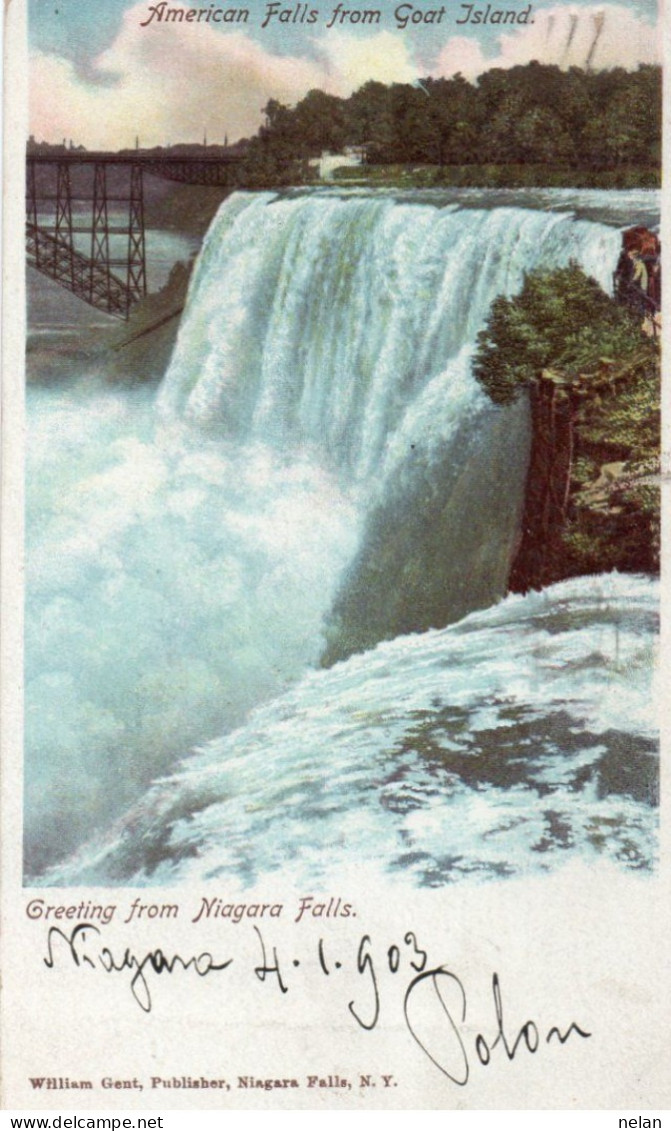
(593, 377)
(563, 322)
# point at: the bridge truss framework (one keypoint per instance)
(93, 268)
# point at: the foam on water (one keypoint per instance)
(503, 745)
(183, 556)
(171, 585)
(332, 325)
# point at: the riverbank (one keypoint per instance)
(497, 176)
(136, 351)
(187, 209)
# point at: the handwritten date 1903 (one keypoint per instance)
(434, 1022)
(434, 999)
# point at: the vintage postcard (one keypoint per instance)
(332, 671)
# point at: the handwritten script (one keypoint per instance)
(433, 997)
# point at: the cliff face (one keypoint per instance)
(441, 543)
(548, 489)
(592, 377)
(592, 498)
(188, 209)
(140, 350)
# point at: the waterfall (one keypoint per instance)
(339, 326)
(342, 329)
(320, 472)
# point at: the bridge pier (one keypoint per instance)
(63, 223)
(31, 206)
(51, 248)
(137, 263)
(100, 250)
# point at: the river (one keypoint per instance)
(186, 546)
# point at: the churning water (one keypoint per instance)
(185, 551)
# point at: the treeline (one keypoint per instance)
(533, 114)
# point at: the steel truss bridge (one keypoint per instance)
(109, 281)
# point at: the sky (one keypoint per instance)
(100, 77)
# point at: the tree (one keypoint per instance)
(532, 114)
(561, 320)
(369, 117)
(319, 123)
(593, 378)
(541, 137)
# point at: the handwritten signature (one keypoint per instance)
(434, 1004)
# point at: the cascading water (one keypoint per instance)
(337, 327)
(343, 329)
(497, 746)
(319, 411)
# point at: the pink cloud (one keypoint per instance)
(170, 82)
(603, 36)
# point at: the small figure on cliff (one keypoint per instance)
(639, 280)
(637, 277)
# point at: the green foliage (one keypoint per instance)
(561, 321)
(534, 116)
(563, 337)
(499, 176)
